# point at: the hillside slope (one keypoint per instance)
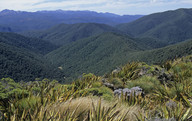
(21, 64)
(67, 33)
(161, 55)
(96, 54)
(22, 58)
(170, 26)
(100, 54)
(5, 29)
(35, 45)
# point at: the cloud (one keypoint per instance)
(187, 1)
(114, 6)
(18, 4)
(153, 1)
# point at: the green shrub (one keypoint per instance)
(116, 82)
(147, 83)
(18, 93)
(96, 84)
(27, 103)
(103, 92)
(36, 90)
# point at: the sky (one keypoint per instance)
(121, 7)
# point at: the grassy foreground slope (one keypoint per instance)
(167, 92)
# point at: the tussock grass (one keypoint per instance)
(84, 105)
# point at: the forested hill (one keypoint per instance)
(105, 52)
(66, 33)
(21, 58)
(5, 29)
(170, 26)
(96, 54)
(37, 46)
(69, 50)
(160, 55)
(82, 69)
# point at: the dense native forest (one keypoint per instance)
(88, 66)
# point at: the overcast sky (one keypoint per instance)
(113, 6)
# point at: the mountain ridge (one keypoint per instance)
(26, 21)
(66, 33)
(170, 26)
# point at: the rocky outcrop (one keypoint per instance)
(143, 71)
(117, 70)
(107, 84)
(160, 119)
(128, 92)
(161, 73)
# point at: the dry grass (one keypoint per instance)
(82, 106)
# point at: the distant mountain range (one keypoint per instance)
(68, 50)
(24, 21)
